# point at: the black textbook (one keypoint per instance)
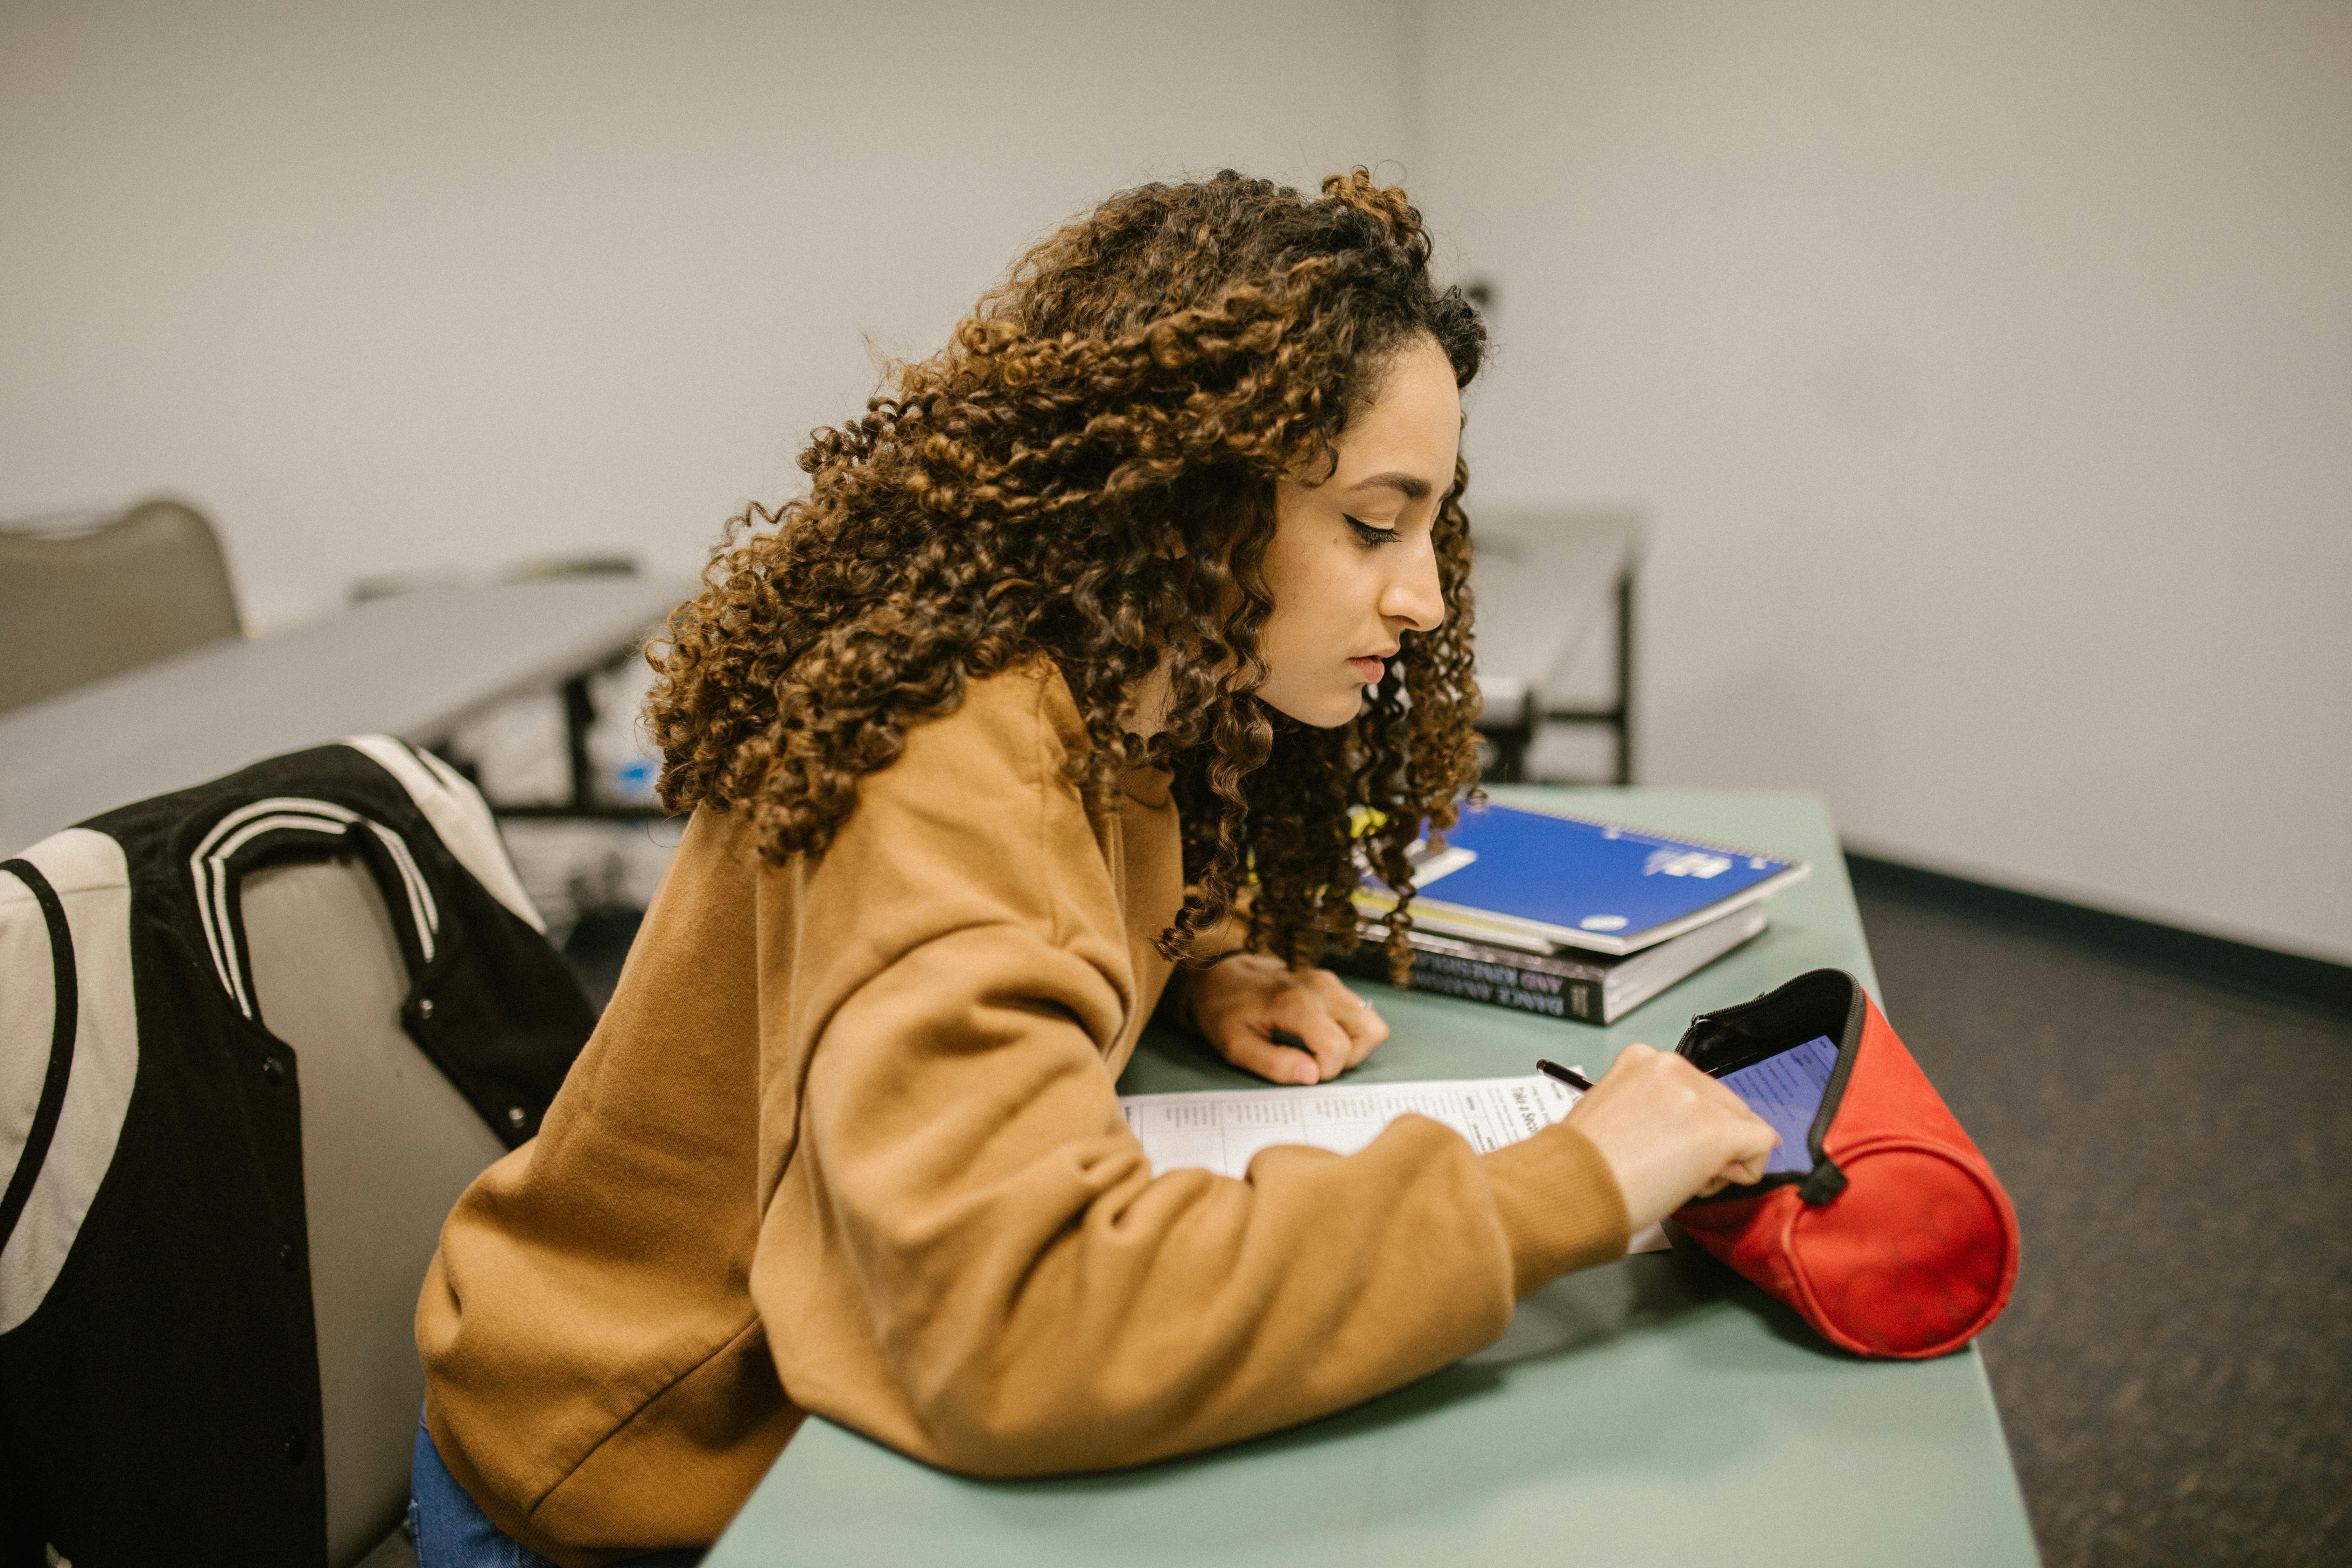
(1586, 987)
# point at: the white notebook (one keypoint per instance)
(1223, 1130)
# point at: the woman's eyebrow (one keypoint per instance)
(1413, 487)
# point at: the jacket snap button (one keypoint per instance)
(297, 1445)
(515, 1116)
(425, 1008)
(273, 1069)
(286, 1257)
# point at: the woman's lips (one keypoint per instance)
(1369, 670)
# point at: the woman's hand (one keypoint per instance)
(1670, 1134)
(1238, 1003)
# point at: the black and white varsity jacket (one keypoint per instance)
(159, 1383)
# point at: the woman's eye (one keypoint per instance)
(1371, 534)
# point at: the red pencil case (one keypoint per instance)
(1899, 1240)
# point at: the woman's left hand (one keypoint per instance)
(1238, 1002)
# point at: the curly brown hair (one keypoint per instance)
(1088, 471)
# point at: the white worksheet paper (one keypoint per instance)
(1223, 1130)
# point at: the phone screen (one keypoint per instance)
(1786, 1089)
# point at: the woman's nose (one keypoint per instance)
(1412, 594)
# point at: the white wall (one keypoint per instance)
(389, 287)
(1986, 371)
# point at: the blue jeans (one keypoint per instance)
(451, 1531)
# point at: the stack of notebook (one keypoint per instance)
(1568, 917)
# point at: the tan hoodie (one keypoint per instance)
(848, 1140)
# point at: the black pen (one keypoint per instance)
(1569, 1076)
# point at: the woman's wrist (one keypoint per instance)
(1184, 988)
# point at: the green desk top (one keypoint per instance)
(1653, 1411)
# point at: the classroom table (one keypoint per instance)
(1655, 1410)
(411, 665)
(1544, 581)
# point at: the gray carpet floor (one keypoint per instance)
(2174, 1371)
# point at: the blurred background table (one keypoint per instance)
(414, 665)
(1552, 588)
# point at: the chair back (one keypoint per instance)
(246, 1156)
(75, 608)
(388, 1145)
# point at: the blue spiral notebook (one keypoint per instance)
(1538, 881)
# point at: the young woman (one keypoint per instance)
(1117, 607)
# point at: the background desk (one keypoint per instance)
(411, 665)
(1648, 1412)
(1544, 581)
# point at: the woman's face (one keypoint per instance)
(1351, 566)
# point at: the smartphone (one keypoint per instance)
(1785, 1088)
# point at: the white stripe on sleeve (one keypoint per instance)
(93, 885)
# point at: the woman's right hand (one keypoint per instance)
(1670, 1134)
